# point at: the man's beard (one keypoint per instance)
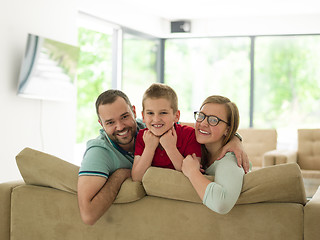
(123, 141)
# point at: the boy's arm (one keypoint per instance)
(175, 157)
(169, 142)
(140, 165)
(143, 162)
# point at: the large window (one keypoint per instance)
(287, 85)
(274, 80)
(287, 82)
(111, 58)
(94, 77)
(140, 56)
(198, 68)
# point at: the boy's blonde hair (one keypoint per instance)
(160, 90)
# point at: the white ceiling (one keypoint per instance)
(210, 17)
(206, 9)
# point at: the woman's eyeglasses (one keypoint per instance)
(212, 120)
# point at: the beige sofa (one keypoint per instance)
(272, 205)
(307, 156)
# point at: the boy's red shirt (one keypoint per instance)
(186, 145)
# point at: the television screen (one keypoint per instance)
(48, 69)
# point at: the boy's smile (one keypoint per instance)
(158, 115)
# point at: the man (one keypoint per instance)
(108, 159)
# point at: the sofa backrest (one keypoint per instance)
(309, 149)
(257, 142)
(280, 183)
(42, 169)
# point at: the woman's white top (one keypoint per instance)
(222, 194)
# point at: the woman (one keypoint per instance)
(216, 123)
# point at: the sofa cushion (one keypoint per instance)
(280, 183)
(42, 169)
(169, 183)
(130, 191)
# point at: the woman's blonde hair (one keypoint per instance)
(233, 119)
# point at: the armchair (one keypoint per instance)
(257, 143)
(307, 156)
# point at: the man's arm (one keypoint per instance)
(96, 194)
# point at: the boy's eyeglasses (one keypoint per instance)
(212, 120)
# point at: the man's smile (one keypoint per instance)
(122, 133)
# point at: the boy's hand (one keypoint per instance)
(169, 139)
(150, 140)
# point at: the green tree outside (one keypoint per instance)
(287, 81)
(94, 76)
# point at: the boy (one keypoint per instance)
(164, 143)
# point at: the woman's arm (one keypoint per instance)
(222, 194)
(191, 168)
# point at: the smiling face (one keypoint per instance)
(212, 135)
(118, 121)
(158, 115)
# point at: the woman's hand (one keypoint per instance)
(190, 165)
(235, 146)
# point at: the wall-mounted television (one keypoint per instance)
(48, 70)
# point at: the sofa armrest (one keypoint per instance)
(312, 218)
(5, 207)
(42, 169)
(276, 157)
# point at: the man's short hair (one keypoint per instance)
(159, 90)
(110, 96)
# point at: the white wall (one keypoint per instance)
(43, 125)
